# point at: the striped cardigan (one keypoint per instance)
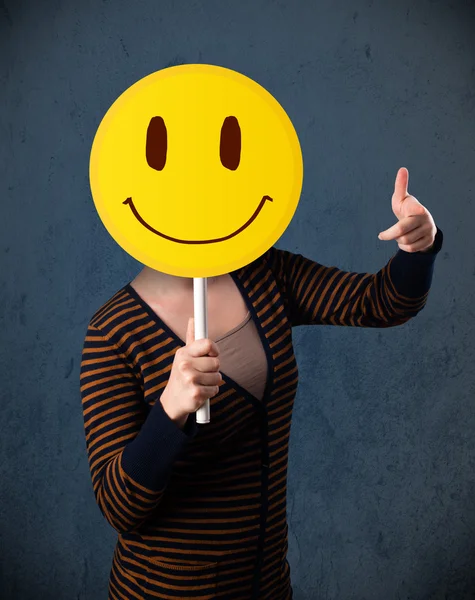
(201, 512)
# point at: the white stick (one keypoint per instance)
(201, 331)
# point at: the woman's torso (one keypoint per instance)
(223, 511)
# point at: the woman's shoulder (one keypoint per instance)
(113, 311)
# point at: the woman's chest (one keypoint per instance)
(226, 310)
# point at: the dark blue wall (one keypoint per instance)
(382, 484)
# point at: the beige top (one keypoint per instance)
(242, 357)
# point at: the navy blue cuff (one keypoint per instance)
(437, 245)
(149, 458)
(411, 272)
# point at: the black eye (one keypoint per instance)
(156, 149)
(230, 145)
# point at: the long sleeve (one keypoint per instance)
(320, 295)
(131, 448)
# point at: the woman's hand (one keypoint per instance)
(193, 379)
(415, 230)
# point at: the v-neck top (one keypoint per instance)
(201, 512)
(241, 354)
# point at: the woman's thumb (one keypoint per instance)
(190, 331)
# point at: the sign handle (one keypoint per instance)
(201, 331)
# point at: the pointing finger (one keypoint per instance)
(401, 183)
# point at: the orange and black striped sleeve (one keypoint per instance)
(131, 448)
(320, 295)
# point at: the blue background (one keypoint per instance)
(382, 463)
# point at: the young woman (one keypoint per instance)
(201, 509)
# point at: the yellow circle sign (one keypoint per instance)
(196, 170)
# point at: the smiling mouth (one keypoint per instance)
(130, 202)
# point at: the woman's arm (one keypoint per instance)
(319, 295)
(130, 452)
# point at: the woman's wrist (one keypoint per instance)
(178, 419)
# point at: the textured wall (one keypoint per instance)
(382, 453)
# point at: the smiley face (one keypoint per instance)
(196, 170)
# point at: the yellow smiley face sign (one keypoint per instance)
(196, 170)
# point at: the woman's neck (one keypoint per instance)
(170, 284)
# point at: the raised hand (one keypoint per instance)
(415, 230)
